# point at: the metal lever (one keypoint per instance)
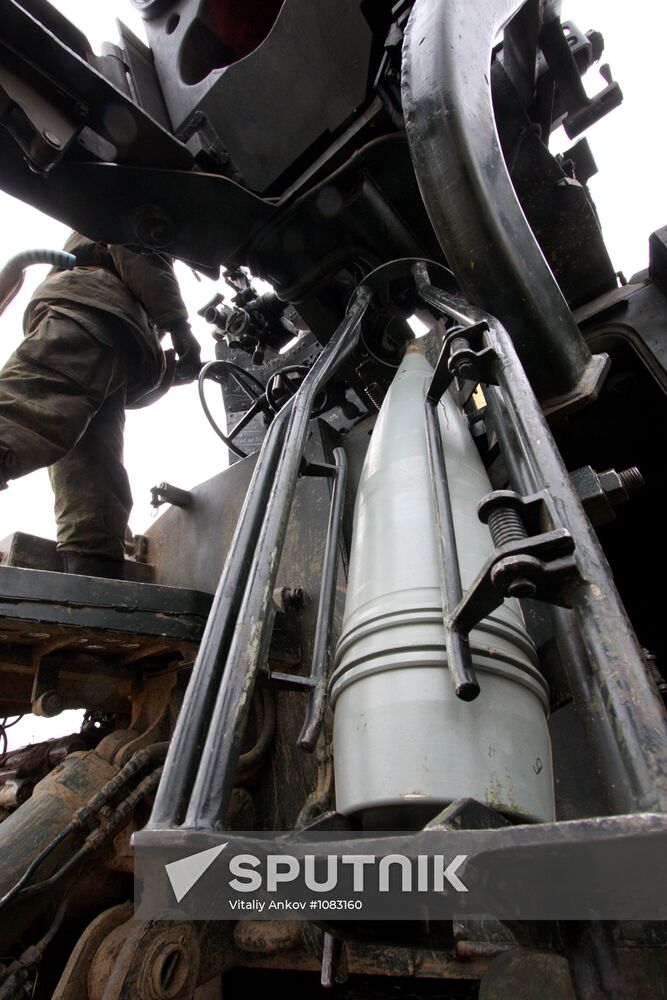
(459, 657)
(315, 683)
(325, 611)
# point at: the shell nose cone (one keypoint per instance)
(402, 740)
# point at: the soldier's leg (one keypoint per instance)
(93, 497)
(60, 381)
(50, 389)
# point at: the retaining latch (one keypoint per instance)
(464, 355)
(533, 557)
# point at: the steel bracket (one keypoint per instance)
(542, 564)
(582, 110)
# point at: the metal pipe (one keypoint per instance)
(33, 837)
(589, 701)
(251, 636)
(589, 708)
(470, 199)
(325, 611)
(459, 657)
(630, 704)
(521, 474)
(591, 953)
(193, 719)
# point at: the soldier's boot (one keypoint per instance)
(101, 566)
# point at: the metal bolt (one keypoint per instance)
(516, 575)
(463, 367)
(654, 671)
(289, 598)
(52, 138)
(506, 525)
(522, 588)
(153, 227)
(501, 511)
(170, 971)
(48, 705)
(618, 485)
(631, 479)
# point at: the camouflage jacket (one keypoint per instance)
(139, 289)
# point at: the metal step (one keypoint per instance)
(83, 636)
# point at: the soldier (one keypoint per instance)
(91, 348)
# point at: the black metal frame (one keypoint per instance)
(325, 609)
(560, 555)
(480, 224)
(459, 657)
(629, 726)
(201, 764)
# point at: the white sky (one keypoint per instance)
(171, 440)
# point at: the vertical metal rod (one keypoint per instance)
(251, 635)
(519, 469)
(325, 611)
(596, 722)
(459, 657)
(195, 714)
(589, 703)
(634, 712)
(591, 953)
(637, 717)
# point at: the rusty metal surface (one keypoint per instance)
(31, 827)
(73, 983)
(21, 769)
(88, 639)
(154, 960)
(95, 668)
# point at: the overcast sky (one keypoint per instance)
(171, 440)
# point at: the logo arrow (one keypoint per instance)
(452, 877)
(183, 874)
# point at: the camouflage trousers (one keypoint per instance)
(62, 405)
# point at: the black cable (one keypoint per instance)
(8, 725)
(388, 364)
(239, 374)
(140, 759)
(203, 375)
(98, 838)
(33, 866)
(4, 726)
(32, 956)
(265, 400)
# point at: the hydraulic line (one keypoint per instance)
(11, 275)
(18, 971)
(83, 816)
(113, 820)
